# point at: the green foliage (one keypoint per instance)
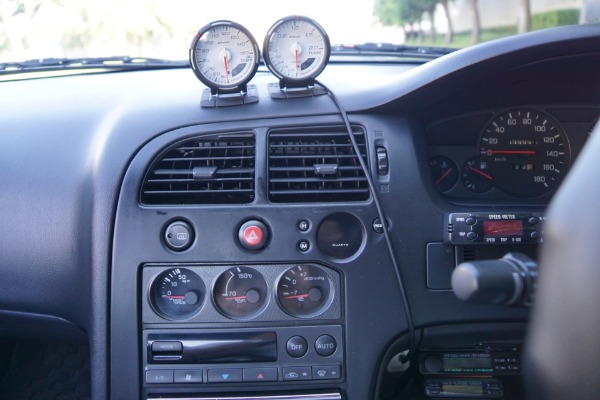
(554, 18)
(400, 12)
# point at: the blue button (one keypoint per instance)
(224, 375)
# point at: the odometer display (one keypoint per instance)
(526, 151)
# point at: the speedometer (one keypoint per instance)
(526, 151)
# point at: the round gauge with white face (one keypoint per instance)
(296, 49)
(224, 56)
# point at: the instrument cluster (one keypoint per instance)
(510, 153)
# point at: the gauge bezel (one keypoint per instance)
(286, 80)
(216, 87)
(254, 313)
(324, 306)
(154, 285)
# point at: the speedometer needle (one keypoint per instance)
(486, 176)
(525, 152)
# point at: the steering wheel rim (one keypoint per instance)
(562, 354)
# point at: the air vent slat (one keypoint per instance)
(210, 169)
(316, 165)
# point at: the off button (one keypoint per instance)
(253, 235)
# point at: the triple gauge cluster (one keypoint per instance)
(225, 56)
(241, 292)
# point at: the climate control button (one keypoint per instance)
(296, 346)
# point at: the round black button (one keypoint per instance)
(471, 236)
(470, 221)
(303, 225)
(296, 346)
(179, 236)
(325, 345)
(303, 246)
(378, 225)
(533, 220)
(534, 235)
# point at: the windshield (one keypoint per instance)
(36, 29)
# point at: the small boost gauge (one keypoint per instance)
(177, 293)
(224, 56)
(296, 50)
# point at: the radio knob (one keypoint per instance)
(433, 364)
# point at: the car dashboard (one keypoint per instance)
(237, 252)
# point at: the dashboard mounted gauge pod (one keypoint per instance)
(296, 50)
(225, 56)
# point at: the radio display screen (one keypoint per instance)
(458, 390)
(494, 228)
(467, 364)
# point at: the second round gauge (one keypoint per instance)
(296, 49)
(240, 292)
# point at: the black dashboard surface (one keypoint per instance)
(75, 238)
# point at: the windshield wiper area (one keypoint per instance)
(389, 49)
(114, 62)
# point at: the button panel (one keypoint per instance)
(304, 354)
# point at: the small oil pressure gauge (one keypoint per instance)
(224, 56)
(296, 50)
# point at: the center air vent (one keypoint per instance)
(212, 169)
(316, 165)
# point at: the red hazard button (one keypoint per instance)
(253, 235)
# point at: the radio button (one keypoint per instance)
(296, 346)
(260, 374)
(224, 375)
(470, 221)
(325, 345)
(326, 372)
(188, 376)
(297, 374)
(167, 347)
(159, 376)
(534, 235)
(533, 220)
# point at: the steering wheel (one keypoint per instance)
(562, 352)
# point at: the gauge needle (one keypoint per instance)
(443, 176)
(525, 152)
(298, 296)
(226, 68)
(236, 298)
(296, 61)
(486, 176)
(174, 297)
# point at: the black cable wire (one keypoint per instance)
(412, 343)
